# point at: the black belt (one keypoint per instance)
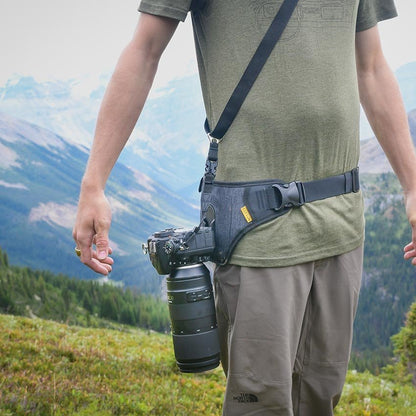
(278, 196)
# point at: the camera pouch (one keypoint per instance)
(232, 209)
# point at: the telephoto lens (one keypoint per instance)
(192, 313)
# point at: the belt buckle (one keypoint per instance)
(289, 195)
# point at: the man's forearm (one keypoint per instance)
(121, 106)
(125, 96)
(382, 102)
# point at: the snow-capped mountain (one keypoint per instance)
(167, 144)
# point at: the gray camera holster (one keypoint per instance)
(235, 208)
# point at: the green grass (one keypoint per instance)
(368, 395)
(54, 369)
(47, 368)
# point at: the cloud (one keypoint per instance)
(142, 196)
(117, 207)
(8, 157)
(54, 214)
(14, 185)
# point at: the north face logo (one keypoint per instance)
(246, 398)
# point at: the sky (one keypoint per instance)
(56, 39)
(66, 39)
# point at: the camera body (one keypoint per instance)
(176, 247)
(181, 254)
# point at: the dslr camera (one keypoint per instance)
(181, 254)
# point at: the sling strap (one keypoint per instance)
(243, 87)
(253, 69)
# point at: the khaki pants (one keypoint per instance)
(285, 335)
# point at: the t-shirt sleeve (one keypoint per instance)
(175, 9)
(370, 12)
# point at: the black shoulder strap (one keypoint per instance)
(197, 5)
(253, 69)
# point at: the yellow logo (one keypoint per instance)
(246, 214)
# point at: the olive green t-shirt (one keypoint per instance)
(300, 121)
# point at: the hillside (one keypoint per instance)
(48, 368)
(53, 369)
(93, 303)
(39, 186)
(388, 288)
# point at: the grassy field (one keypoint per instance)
(48, 368)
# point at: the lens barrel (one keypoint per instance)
(193, 319)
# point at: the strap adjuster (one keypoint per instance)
(355, 180)
(289, 195)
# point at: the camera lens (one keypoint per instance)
(192, 313)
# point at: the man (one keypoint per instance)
(287, 299)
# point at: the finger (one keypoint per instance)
(408, 255)
(110, 250)
(414, 235)
(98, 267)
(102, 227)
(409, 247)
(107, 260)
(84, 244)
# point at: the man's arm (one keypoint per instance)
(121, 106)
(381, 99)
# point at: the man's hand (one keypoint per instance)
(91, 228)
(410, 249)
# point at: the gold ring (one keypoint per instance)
(77, 251)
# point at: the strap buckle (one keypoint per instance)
(289, 195)
(211, 163)
(213, 139)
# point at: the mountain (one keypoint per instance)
(168, 144)
(40, 173)
(64, 107)
(406, 77)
